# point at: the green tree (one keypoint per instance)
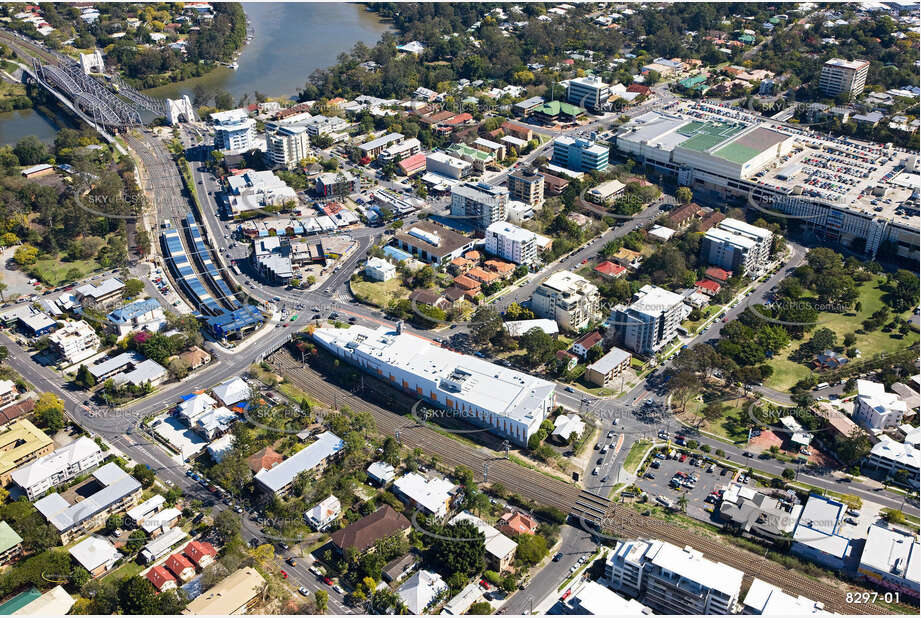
(30, 150)
(133, 287)
(788, 473)
(684, 195)
(136, 595)
(464, 555)
(531, 548)
(49, 410)
(144, 475)
(321, 598)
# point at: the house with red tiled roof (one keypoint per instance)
(504, 269)
(466, 283)
(586, 342)
(459, 265)
(266, 459)
(201, 553)
(515, 523)
(708, 287)
(161, 578)
(473, 256)
(483, 276)
(569, 358)
(610, 270)
(180, 566)
(517, 130)
(456, 121)
(639, 88)
(715, 273)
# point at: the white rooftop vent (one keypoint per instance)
(429, 237)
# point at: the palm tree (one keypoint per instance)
(683, 502)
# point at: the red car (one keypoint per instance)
(326, 580)
(284, 574)
(682, 458)
(566, 595)
(485, 584)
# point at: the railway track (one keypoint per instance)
(617, 521)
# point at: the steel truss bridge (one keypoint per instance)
(113, 104)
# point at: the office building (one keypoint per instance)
(236, 594)
(567, 298)
(841, 76)
(234, 130)
(506, 402)
(589, 92)
(446, 165)
(334, 184)
(146, 314)
(649, 322)
(876, 409)
(526, 185)
(20, 443)
(673, 580)
(58, 467)
(432, 243)
(764, 599)
(113, 491)
(891, 561)
(580, 155)
(895, 460)
(286, 146)
(313, 457)
(511, 243)
(819, 534)
(272, 259)
(257, 190)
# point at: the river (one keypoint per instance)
(290, 40)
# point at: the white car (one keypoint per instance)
(595, 471)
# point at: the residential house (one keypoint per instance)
(264, 459)
(161, 579)
(433, 496)
(708, 287)
(10, 544)
(200, 553)
(95, 554)
(627, 258)
(500, 550)
(181, 567)
(399, 567)
(236, 594)
(364, 533)
(586, 342)
(421, 591)
(381, 472)
(324, 514)
(610, 270)
(514, 523)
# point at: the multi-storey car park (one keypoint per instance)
(853, 192)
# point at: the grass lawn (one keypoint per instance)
(53, 272)
(723, 427)
(692, 327)
(380, 293)
(634, 457)
(787, 373)
(125, 571)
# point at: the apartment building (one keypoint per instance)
(649, 322)
(21, 443)
(313, 457)
(843, 76)
(400, 151)
(671, 579)
(286, 145)
(106, 293)
(526, 185)
(483, 203)
(506, 402)
(373, 148)
(608, 367)
(511, 243)
(237, 594)
(876, 409)
(146, 314)
(10, 544)
(888, 457)
(606, 192)
(58, 467)
(579, 155)
(737, 246)
(567, 298)
(589, 92)
(234, 130)
(113, 491)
